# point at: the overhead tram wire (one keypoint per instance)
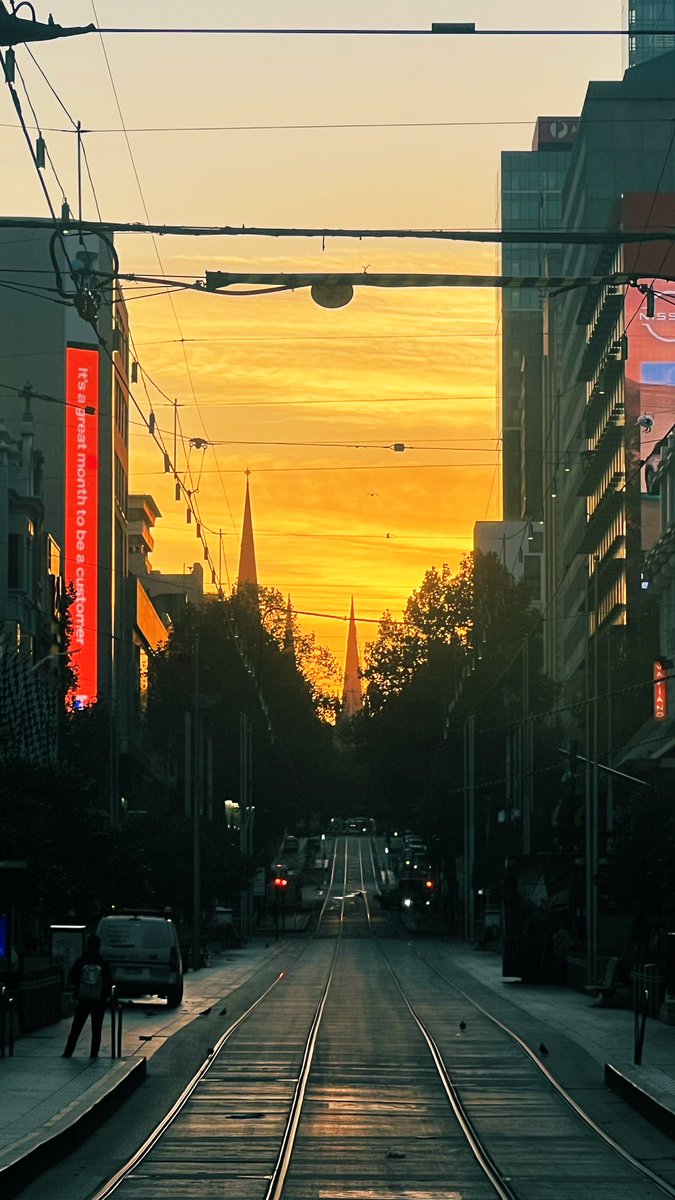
(438, 29)
(92, 131)
(102, 344)
(90, 319)
(159, 259)
(586, 236)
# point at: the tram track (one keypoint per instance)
(341, 1081)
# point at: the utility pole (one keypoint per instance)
(595, 796)
(528, 757)
(469, 824)
(196, 821)
(246, 815)
(591, 789)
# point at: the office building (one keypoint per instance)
(64, 331)
(30, 604)
(78, 375)
(602, 376)
(652, 15)
(530, 199)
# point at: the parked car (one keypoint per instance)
(144, 955)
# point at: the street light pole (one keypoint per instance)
(196, 823)
(469, 824)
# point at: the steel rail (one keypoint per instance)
(478, 1149)
(111, 1185)
(278, 1178)
(628, 1158)
(475, 1143)
(118, 1178)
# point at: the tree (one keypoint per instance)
(456, 652)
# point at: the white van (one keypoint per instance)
(144, 955)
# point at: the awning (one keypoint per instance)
(653, 745)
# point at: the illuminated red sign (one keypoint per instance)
(660, 692)
(81, 516)
(650, 372)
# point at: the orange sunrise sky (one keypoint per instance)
(297, 131)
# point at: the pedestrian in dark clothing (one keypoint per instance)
(91, 978)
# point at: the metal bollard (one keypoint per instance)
(113, 1006)
(120, 1013)
(10, 1011)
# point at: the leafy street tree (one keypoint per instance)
(234, 659)
(457, 651)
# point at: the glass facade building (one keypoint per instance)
(530, 199)
(649, 14)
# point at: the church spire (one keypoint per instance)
(352, 695)
(247, 573)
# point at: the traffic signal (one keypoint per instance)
(280, 885)
(429, 885)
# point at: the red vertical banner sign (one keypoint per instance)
(660, 692)
(81, 517)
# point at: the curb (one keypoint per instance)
(657, 1105)
(43, 1148)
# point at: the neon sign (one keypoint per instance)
(660, 692)
(81, 517)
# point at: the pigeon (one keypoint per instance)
(395, 1154)
(462, 1025)
(205, 1011)
(223, 1011)
(543, 1050)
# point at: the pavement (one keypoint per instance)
(48, 1103)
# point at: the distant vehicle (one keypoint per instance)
(144, 955)
(415, 843)
(283, 885)
(290, 844)
(360, 825)
(418, 893)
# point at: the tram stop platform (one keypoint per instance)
(48, 1103)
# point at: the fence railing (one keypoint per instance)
(116, 1018)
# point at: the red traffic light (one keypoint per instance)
(280, 883)
(429, 885)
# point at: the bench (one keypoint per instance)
(611, 984)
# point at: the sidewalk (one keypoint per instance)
(48, 1103)
(606, 1034)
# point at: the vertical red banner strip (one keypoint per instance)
(660, 692)
(81, 516)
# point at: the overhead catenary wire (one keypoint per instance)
(437, 29)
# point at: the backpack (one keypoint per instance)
(90, 986)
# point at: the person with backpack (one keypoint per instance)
(91, 978)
